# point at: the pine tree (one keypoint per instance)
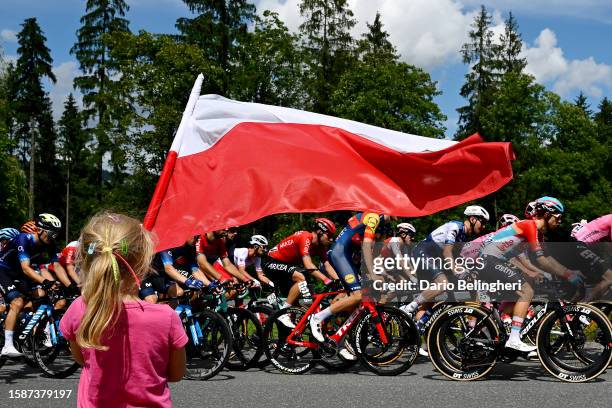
(375, 43)
(328, 46)
(479, 86)
(510, 47)
(100, 98)
(32, 124)
(218, 29)
(582, 102)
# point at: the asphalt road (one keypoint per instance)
(522, 384)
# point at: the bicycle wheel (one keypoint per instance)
(288, 358)
(575, 345)
(55, 359)
(247, 335)
(397, 354)
(263, 313)
(207, 354)
(2, 359)
(464, 343)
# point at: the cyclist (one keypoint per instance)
(400, 246)
(7, 234)
(440, 245)
(290, 259)
(243, 257)
(365, 224)
(18, 276)
(589, 233)
(64, 268)
(510, 241)
(176, 269)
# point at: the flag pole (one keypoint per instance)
(166, 174)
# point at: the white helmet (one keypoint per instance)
(476, 211)
(406, 227)
(508, 219)
(259, 240)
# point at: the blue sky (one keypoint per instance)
(566, 42)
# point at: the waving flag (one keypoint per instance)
(233, 162)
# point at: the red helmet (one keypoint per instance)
(325, 225)
(29, 228)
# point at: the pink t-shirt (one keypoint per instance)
(133, 371)
(599, 229)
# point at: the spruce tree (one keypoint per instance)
(479, 54)
(582, 102)
(218, 29)
(32, 121)
(509, 51)
(100, 97)
(328, 46)
(375, 43)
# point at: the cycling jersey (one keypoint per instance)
(361, 225)
(450, 233)
(211, 249)
(394, 247)
(600, 229)
(472, 249)
(182, 258)
(292, 249)
(68, 254)
(25, 248)
(240, 256)
(510, 241)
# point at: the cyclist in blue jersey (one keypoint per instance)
(366, 224)
(7, 234)
(176, 268)
(439, 245)
(18, 276)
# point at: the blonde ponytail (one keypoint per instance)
(114, 255)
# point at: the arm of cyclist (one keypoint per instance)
(552, 266)
(263, 278)
(61, 274)
(527, 267)
(314, 271)
(447, 254)
(331, 272)
(71, 270)
(206, 268)
(31, 273)
(232, 270)
(367, 248)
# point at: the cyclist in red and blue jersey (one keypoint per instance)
(365, 224)
(18, 276)
(64, 268)
(513, 240)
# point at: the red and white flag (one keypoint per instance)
(232, 163)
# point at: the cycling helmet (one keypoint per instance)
(8, 233)
(530, 210)
(28, 227)
(508, 219)
(325, 225)
(406, 227)
(48, 222)
(476, 211)
(259, 240)
(549, 205)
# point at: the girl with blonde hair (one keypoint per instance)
(129, 349)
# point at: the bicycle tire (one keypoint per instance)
(263, 313)
(552, 362)
(247, 336)
(214, 348)
(45, 357)
(288, 359)
(403, 342)
(443, 335)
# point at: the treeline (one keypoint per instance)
(135, 85)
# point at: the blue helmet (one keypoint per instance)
(8, 233)
(548, 204)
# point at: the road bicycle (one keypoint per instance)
(386, 340)
(574, 341)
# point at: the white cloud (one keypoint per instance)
(8, 35)
(65, 74)
(427, 33)
(546, 62)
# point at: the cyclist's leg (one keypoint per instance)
(13, 292)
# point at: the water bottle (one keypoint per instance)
(424, 319)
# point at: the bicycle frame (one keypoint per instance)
(43, 309)
(346, 326)
(190, 323)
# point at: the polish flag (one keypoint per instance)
(233, 162)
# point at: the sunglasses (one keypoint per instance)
(51, 234)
